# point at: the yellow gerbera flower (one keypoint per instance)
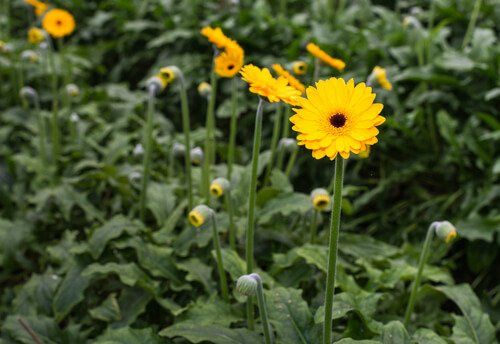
(58, 23)
(216, 36)
(323, 56)
(40, 7)
(262, 83)
(299, 67)
(381, 76)
(337, 118)
(35, 35)
(229, 62)
(167, 75)
(291, 79)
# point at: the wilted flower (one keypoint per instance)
(204, 89)
(35, 35)
(446, 231)
(30, 56)
(323, 56)
(299, 67)
(58, 23)
(320, 199)
(72, 90)
(219, 186)
(199, 215)
(197, 155)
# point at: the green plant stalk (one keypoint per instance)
(20, 81)
(284, 134)
(316, 70)
(274, 141)
(251, 204)
(266, 328)
(333, 248)
(186, 127)
(421, 263)
(230, 212)
(148, 149)
(233, 126)
(209, 139)
(41, 134)
(283, 5)
(220, 263)
(314, 226)
(291, 162)
(472, 23)
(66, 72)
(54, 119)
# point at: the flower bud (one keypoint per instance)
(72, 90)
(30, 56)
(74, 117)
(204, 89)
(35, 35)
(320, 199)
(178, 150)
(138, 150)
(219, 186)
(299, 67)
(446, 231)
(379, 74)
(248, 284)
(5, 47)
(134, 176)
(167, 74)
(365, 153)
(411, 22)
(155, 85)
(199, 215)
(196, 155)
(28, 93)
(288, 144)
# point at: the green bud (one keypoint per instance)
(446, 231)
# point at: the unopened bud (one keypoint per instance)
(320, 198)
(138, 150)
(30, 56)
(28, 93)
(72, 90)
(299, 67)
(248, 284)
(199, 215)
(219, 186)
(288, 144)
(446, 231)
(178, 150)
(197, 156)
(74, 117)
(204, 89)
(134, 176)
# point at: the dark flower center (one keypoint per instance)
(321, 203)
(58, 22)
(338, 120)
(231, 66)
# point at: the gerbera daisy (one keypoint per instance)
(58, 23)
(40, 7)
(216, 36)
(323, 56)
(35, 35)
(229, 62)
(337, 118)
(262, 83)
(380, 74)
(291, 79)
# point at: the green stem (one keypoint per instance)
(317, 65)
(314, 226)
(41, 134)
(148, 149)
(472, 23)
(266, 328)
(54, 119)
(66, 73)
(421, 263)
(333, 248)
(209, 139)
(274, 141)
(251, 204)
(230, 211)
(220, 262)
(233, 128)
(186, 127)
(284, 134)
(291, 162)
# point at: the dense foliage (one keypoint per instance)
(79, 266)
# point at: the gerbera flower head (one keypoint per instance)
(167, 74)
(40, 7)
(35, 35)
(293, 81)
(229, 62)
(199, 215)
(58, 23)
(320, 199)
(316, 51)
(261, 82)
(380, 74)
(337, 117)
(215, 36)
(299, 67)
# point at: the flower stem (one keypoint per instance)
(274, 141)
(66, 73)
(291, 162)
(232, 128)
(230, 211)
(316, 70)
(41, 133)
(186, 127)
(251, 204)
(284, 134)
(263, 312)
(209, 138)
(421, 263)
(333, 248)
(54, 119)
(220, 263)
(148, 149)
(314, 226)
(472, 23)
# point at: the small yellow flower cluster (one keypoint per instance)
(229, 62)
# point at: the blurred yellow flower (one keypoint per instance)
(337, 118)
(35, 35)
(316, 51)
(381, 76)
(167, 75)
(299, 67)
(229, 62)
(320, 199)
(291, 79)
(216, 36)
(262, 83)
(40, 7)
(204, 89)
(365, 153)
(58, 23)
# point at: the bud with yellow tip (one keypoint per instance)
(320, 199)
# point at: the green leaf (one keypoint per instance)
(395, 333)
(161, 200)
(285, 205)
(364, 246)
(130, 274)
(453, 60)
(127, 335)
(426, 336)
(198, 271)
(70, 292)
(165, 234)
(132, 303)
(354, 341)
(203, 310)
(211, 333)
(107, 311)
(475, 326)
(233, 264)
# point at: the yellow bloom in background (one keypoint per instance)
(299, 67)
(365, 153)
(35, 35)
(199, 215)
(337, 118)
(316, 51)
(40, 7)
(291, 79)
(204, 89)
(381, 76)
(58, 23)
(219, 186)
(167, 75)
(262, 83)
(320, 199)
(229, 62)
(216, 36)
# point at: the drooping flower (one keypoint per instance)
(299, 67)
(261, 82)
(446, 231)
(293, 81)
(219, 186)
(204, 89)
(380, 74)
(316, 51)
(40, 7)
(320, 198)
(229, 62)
(216, 36)
(58, 23)
(35, 35)
(199, 215)
(167, 75)
(337, 118)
